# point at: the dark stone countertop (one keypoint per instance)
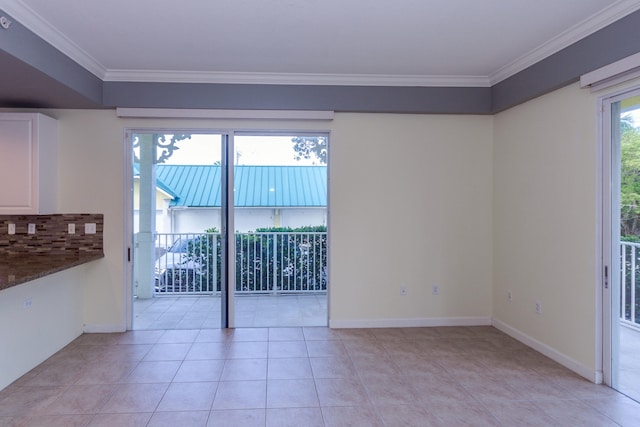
(18, 269)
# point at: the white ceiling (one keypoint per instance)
(368, 42)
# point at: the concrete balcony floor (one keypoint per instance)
(629, 363)
(203, 312)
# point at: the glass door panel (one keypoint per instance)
(177, 214)
(280, 223)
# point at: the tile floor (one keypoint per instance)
(312, 376)
(195, 312)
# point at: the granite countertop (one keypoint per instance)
(17, 269)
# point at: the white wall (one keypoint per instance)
(54, 318)
(544, 221)
(410, 203)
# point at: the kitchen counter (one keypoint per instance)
(17, 269)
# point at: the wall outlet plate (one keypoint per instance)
(71, 228)
(12, 228)
(31, 229)
(90, 228)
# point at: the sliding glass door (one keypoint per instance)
(229, 230)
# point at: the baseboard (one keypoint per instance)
(411, 322)
(100, 328)
(550, 352)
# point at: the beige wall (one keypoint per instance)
(52, 320)
(429, 175)
(544, 223)
(478, 205)
(429, 178)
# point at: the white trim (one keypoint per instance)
(579, 31)
(592, 375)
(410, 322)
(103, 328)
(617, 72)
(190, 113)
(167, 76)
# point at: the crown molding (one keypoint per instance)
(293, 79)
(607, 16)
(43, 29)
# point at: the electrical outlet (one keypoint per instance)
(509, 296)
(71, 228)
(538, 307)
(435, 290)
(90, 228)
(403, 290)
(27, 303)
(31, 229)
(12, 228)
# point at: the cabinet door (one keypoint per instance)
(18, 174)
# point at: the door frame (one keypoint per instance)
(227, 215)
(609, 234)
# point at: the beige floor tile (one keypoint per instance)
(389, 390)
(162, 371)
(207, 351)
(291, 394)
(81, 399)
(58, 421)
(326, 348)
(188, 397)
(430, 388)
(106, 373)
(332, 367)
(287, 349)
(350, 416)
(294, 417)
(341, 392)
(241, 395)
(248, 350)
(185, 336)
(120, 420)
(28, 400)
(519, 413)
(244, 369)
(129, 398)
(167, 351)
(237, 418)
(175, 419)
(467, 413)
(286, 334)
(251, 334)
(406, 416)
(289, 369)
(199, 370)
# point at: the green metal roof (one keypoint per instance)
(255, 186)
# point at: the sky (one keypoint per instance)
(204, 149)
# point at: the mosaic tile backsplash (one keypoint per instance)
(51, 235)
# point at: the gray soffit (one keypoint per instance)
(374, 99)
(33, 74)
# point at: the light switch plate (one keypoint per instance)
(31, 229)
(12, 228)
(71, 228)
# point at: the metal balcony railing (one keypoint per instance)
(630, 283)
(265, 262)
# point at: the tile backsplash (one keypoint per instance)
(51, 235)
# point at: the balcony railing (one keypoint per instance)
(265, 262)
(630, 283)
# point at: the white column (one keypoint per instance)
(146, 236)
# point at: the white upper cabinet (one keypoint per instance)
(28, 163)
